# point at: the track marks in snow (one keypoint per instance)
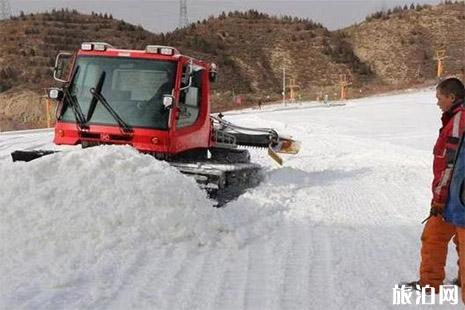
(208, 285)
(182, 287)
(298, 267)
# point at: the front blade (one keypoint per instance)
(275, 156)
(29, 155)
(287, 146)
(284, 146)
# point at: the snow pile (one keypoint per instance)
(75, 216)
(74, 224)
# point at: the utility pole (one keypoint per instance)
(293, 88)
(418, 74)
(5, 9)
(440, 56)
(183, 20)
(345, 81)
(284, 86)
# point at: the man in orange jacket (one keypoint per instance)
(437, 233)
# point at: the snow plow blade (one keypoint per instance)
(29, 155)
(287, 146)
(284, 146)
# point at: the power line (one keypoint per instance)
(5, 9)
(183, 20)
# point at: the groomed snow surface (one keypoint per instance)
(335, 228)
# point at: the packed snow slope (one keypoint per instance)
(335, 228)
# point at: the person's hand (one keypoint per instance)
(437, 208)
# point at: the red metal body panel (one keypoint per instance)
(172, 141)
(146, 140)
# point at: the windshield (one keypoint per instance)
(133, 87)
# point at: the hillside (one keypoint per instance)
(389, 50)
(400, 45)
(250, 61)
(253, 48)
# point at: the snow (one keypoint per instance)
(335, 228)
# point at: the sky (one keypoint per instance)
(163, 16)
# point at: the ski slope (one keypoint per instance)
(335, 228)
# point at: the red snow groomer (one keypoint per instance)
(157, 101)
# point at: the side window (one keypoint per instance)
(189, 103)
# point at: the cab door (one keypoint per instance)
(192, 117)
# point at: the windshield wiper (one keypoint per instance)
(75, 107)
(97, 96)
(97, 89)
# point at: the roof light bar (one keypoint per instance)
(152, 49)
(86, 46)
(96, 46)
(100, 47)
(167, 51)
(162, 50)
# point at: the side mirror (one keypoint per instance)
(55, 94)
(168, 102)
(213, 73)
(187, 76)
(62, 67)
